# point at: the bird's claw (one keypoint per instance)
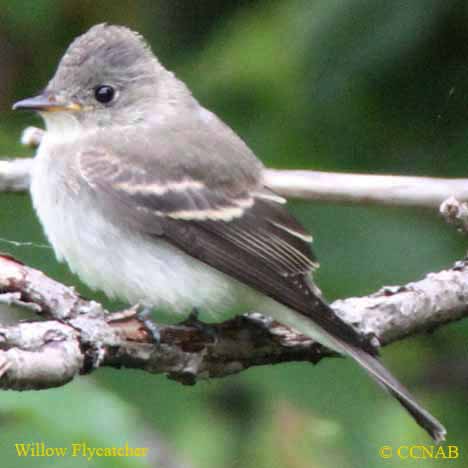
(144, 316)
(192, 320)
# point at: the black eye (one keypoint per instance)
(104, 93)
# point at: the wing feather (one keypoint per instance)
(232, 223)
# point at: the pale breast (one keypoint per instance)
(124, 264)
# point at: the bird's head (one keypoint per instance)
(108, 76)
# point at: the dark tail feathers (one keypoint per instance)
(382, 376)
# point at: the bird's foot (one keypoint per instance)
(192, 320)
(144, 315)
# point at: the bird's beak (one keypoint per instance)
(45, 103)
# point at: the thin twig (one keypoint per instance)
(427, 192)
(14, 174)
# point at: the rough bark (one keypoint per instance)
(72, 336)
(75, 336)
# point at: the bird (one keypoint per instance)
(153, 199)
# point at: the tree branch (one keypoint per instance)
(427, 192)
(77, 336)
(392, 190)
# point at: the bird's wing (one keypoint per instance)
(228, 220)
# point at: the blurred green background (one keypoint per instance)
(373, 86)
